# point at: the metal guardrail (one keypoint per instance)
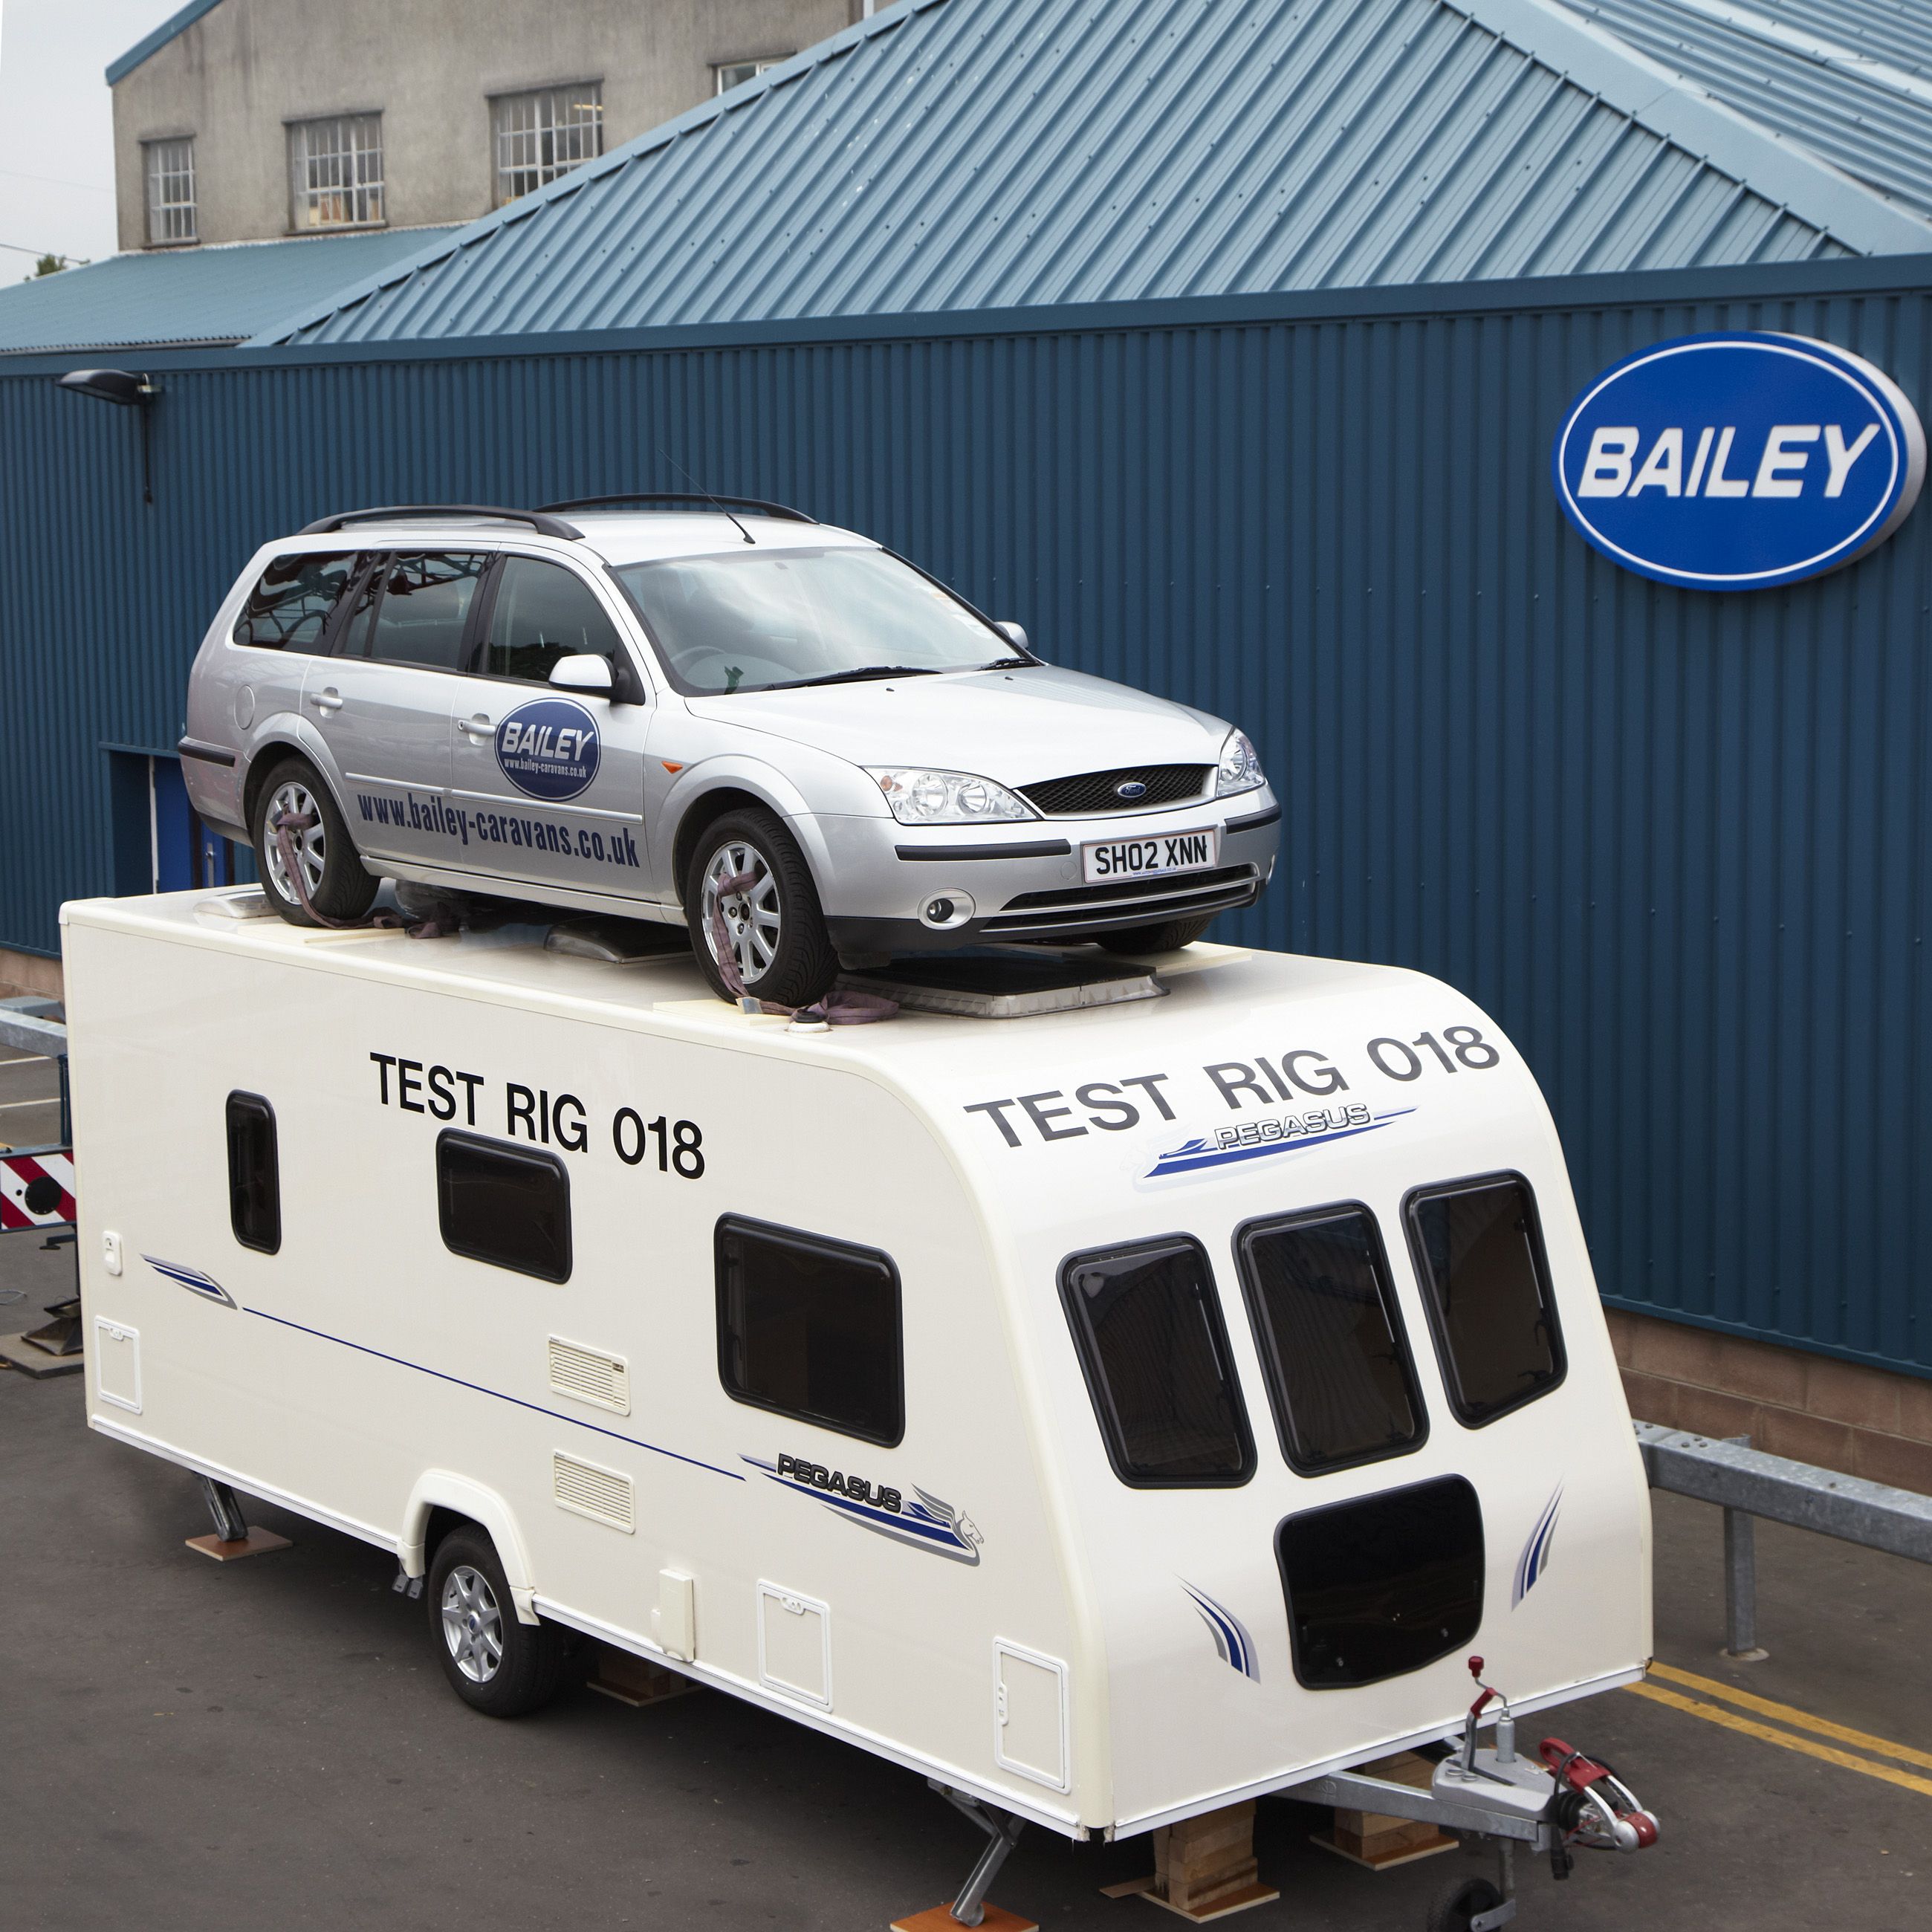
(1747, 1483)
(24, 1026)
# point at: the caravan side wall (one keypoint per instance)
(364, 1372)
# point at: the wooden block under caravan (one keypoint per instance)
(1203, 1867)
(256, 1543)
(940, 1919)
(1372, 1839)
(634, 1680)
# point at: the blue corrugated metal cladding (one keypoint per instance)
(1678, 844)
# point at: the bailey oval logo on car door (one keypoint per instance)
(549, 749)
(1737, 461)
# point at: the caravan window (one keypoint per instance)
(1479, 1252)
(1147, 1321)
(509, 1206)
(810, 1328)
(254, 1180)
(1331, 1339)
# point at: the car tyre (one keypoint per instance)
(338, 886)
(496, 1665)
(776, 926)
(1169, 936)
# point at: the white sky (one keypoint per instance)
(56, 123)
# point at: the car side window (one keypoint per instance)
(288, 608)
(543, 612)
(414, 608)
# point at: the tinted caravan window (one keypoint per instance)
(290, 606)
(1147, 1324)
(810, 1328)
(1383, 1584)
(509, 1206)
(1479, 1251)
(1331, 1339)
(254, 1179)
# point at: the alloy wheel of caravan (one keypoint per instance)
(472, 1625)
(495, 1662)
(773, 926)
(330, 869)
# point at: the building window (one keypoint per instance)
(735, 73)
(809, 1327)
(509, 1206)
(335, 169)
(1479, 1251)
(254, 1179)
(1147, 1324)
(540, 136)
(170, 191)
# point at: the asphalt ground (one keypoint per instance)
(271, 1743)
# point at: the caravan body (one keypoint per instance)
(1113, 1414)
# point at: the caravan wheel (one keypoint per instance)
(495, 1664)
(1457, 1904)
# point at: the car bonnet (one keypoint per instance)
(1017, 726)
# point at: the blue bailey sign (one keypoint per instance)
(1736, 461)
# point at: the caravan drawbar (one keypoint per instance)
(1114, 1414)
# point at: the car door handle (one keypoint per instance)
(328, 699)
(477, 727)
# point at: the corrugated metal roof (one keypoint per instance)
(1851, 78)
(190, 295)
(971, 154)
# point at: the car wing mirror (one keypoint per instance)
(582, 672)
(1015, 633)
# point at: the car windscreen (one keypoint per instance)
(752, 621)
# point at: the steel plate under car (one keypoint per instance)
(1006, 983)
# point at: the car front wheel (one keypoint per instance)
(324, 856)
(748, 872)
(1169, 937)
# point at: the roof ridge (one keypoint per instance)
(1670, 105)
(486, 227)
(1810, 46)
(152, 43)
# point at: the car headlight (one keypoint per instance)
(1240, 767)
(946, 798)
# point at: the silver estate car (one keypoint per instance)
(623, 706)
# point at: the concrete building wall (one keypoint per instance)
(235, 77)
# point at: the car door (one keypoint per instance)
(549, 784)
(382, 701)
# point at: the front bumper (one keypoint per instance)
(1023, 881)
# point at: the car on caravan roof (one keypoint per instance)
(703, 711)
(1113, 1414)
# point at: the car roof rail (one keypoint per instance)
(543, 524)
(757, 503)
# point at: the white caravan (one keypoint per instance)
(1114, 1414)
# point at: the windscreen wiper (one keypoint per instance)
(853, 676)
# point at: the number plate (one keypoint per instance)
(1113, 860)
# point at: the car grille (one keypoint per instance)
(1088, 794)
(1079, 909)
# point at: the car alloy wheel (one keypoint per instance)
(754, 923)
(294, 798)
(472, 1625)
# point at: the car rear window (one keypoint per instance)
(422, 616)
(1331, 1338)
(1147, 1322)
(288, 608)
(809, 1326)
(1479, 1252)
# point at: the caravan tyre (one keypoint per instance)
(1458, 1903)
(331, 869)
(495, 1664)
(773, 922)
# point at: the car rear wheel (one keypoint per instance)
(326, 859)
(748, 867)
(1169, 937)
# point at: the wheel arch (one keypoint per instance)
(735, 792)
(439, 1500)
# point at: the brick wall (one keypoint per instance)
(1839, 1415)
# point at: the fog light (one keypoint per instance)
(946, 911)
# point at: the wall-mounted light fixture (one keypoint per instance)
(124, 387)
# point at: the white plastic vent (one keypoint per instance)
(603, 1495)
(590, 1375)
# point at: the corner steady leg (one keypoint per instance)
(230, 1526)
(1003, 1831)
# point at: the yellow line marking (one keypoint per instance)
(1731, 1721)
(1802, 1720)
